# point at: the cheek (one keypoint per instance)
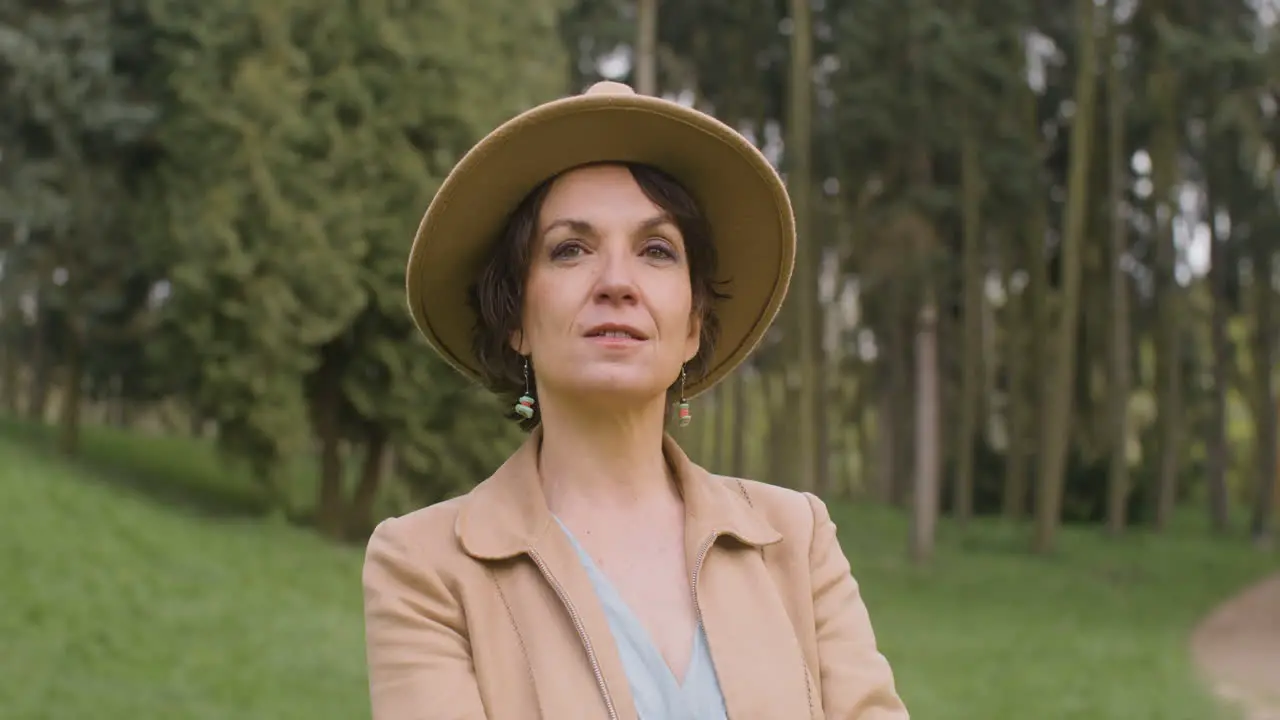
(534, 305)
(530, 307)
(678, 308)
(544, 303)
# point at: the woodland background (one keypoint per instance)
(1031, 342)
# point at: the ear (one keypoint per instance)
(520, 343)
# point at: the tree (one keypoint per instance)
(303, 143)
(79, 137)
(1118, 380)
(1060, 380)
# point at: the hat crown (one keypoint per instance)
(609, 87)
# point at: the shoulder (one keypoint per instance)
(792, 513)
(420, 542)
(423, 528)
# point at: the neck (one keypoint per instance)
(605, 458)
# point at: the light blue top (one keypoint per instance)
(657, 693)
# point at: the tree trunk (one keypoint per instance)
(646, 57)
(196, 423)
(822, 482)
(724, 423)
(360, 520)
(10, 367)
(861, 470)
(926, 490)
(1220, 268)
(1264, 363)
(1036, 317)
(1059, 382)
(38, 390)
(738, 427)
(989, 411)
(118, 403)
(1118, 345)
(971, 346)
(1017, 406)
(897, 398)
(886, 466)
(10, 362)
(804, 293)
(924, 516)
(326, 408)
(1164, 172)
(69, 415)
(778, 395)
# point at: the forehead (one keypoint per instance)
(598, 194)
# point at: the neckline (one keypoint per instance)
(606, 586)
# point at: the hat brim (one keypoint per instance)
(737, 189)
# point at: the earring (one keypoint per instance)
(683, 407)
(524, 407)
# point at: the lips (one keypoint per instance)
(612, 331)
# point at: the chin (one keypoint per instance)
(610, 384)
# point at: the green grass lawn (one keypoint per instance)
(138, 583)
(1098, 631)
(117, 606)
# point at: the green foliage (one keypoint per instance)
(304, 141)
(210, 204)
(72, 145)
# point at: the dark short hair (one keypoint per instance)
(497, 295)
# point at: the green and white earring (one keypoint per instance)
(524, 406)
(682, 410)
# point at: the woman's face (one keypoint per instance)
(608, 302)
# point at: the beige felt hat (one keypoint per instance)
(741, 194)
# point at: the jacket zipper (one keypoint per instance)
(697, 568)
(582, 631)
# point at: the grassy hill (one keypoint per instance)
(121, 606)
(139, 583)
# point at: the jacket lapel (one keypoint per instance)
(756, 654)
(562, 569)
(507, 516)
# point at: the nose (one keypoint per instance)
(617, 281)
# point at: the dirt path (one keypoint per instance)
(1238, 649)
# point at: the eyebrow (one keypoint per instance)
(585, 228)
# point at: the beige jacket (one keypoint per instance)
(478, 608)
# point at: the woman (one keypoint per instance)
(574, 259)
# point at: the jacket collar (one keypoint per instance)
(507, 514)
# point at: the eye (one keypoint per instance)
(659, 250)
(567, 250)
